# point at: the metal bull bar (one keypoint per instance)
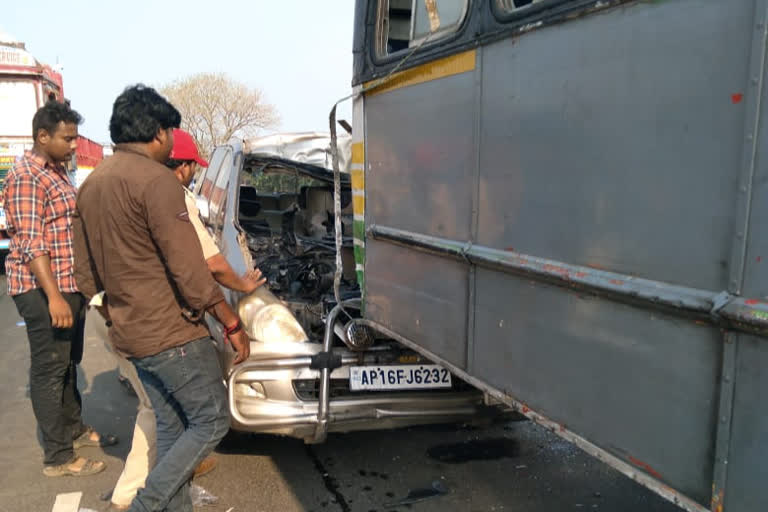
(327, 362)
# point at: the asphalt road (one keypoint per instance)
(509, 466)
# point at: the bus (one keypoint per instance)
(559, 201)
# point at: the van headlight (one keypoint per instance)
(266, 319)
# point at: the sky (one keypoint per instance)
(297, 52)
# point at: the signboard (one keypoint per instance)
(10, 56)
(6, 161)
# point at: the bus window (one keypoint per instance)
(405, 23)
(510, 6)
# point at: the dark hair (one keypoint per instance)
(173, 163)
(51, 114)
(139, 113)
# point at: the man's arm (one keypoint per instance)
(225, 275)
(86, 276)
(217, 264)
(25, 206)
(172, 232)
(229, 319)
(174, 236)
(87, 279)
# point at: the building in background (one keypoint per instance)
(25, 85)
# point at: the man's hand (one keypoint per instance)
(226, 276)
(252, 280)
(61, 313)
(230, 321)
(241, 344)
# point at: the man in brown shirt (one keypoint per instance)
(182, 162)
(134, 241)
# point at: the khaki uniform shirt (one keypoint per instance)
(207, 243)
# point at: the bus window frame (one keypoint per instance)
(446, 36)
(439, 33)
(484, 23)
(505, 16)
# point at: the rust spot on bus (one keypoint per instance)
(718, 500)
(554, 269)
(736, 98)
(644, 466)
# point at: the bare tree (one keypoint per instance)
(214, 108)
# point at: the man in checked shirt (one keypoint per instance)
(39, 203)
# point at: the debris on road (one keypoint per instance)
(416, 495)
(201, 497)
(67, 502)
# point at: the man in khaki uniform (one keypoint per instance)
(182, 161)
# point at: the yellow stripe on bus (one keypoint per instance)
(440, 68)
(358, 179)
(358, 204)
(358, 153)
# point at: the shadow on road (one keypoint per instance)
(109, 408)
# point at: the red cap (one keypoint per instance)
(184, 148)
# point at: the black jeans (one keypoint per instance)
(54, 354)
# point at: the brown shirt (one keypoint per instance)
(133, 240)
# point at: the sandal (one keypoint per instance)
(84, 439)
(90, 467)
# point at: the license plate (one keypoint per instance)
(385, 378)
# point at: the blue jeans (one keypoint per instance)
(187, 392)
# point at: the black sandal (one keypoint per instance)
(84, 439)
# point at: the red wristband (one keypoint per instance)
(233, 329)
